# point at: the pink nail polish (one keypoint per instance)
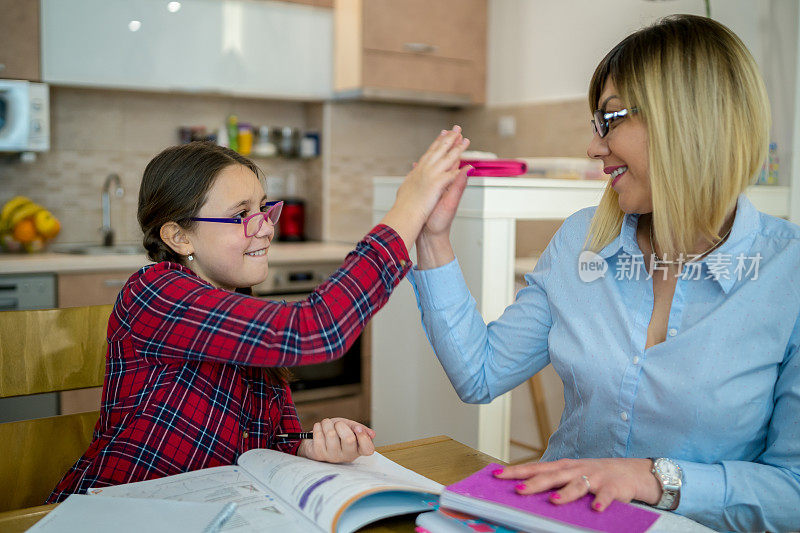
(497, 472)
(598, 506)
(555, 496)
(444, 132)
(520, 486)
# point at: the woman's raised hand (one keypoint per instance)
(338, 440)
(422, 189)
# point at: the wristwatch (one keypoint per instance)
(670, 476)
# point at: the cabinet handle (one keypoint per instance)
(114, 282)
(420, 48)
(7, 304)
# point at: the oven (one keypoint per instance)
(337, 378)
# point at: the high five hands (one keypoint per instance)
(423, 188)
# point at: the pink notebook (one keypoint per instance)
(494, 167)
(500, 494)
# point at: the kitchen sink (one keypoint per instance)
(97, 249)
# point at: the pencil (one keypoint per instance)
(221, 518)
(295, 436)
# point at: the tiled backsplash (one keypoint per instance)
(368, 140)
(98, 132)
(553, 129)
(95, 133)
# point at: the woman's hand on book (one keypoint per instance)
(338, 440)
(570, 479)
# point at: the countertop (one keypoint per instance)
(280, 253)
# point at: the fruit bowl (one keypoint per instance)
(26, 226)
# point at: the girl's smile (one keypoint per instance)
(224, 254)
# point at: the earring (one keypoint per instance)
(190, 257)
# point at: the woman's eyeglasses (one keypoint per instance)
(601, 121)
(251, 224)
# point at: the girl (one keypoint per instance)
(680, 366)
(194, 373)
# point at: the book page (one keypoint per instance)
(258, 507)
(80, 513)
(322, 490)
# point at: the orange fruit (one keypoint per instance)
(25, 231)
(46, 224)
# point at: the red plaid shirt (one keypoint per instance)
(184, 387)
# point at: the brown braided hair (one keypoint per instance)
(174, 187)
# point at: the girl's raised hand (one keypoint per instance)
(421, 190)
(338, 440)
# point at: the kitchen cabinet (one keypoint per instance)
(19, 40)
(411, 50)
(264, 49)
(77, 289)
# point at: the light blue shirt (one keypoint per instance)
(721, 396)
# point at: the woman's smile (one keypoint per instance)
(615, 172)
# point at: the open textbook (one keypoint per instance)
(276, 491)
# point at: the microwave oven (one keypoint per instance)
(24, 116)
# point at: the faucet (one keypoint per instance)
(106, 231)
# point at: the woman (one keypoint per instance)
(680, 366)
(194, 370)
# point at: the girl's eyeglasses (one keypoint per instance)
(251, 224)
(601, 121)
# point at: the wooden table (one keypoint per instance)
(439, 458)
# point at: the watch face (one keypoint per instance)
(668, 471)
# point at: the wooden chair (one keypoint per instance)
(47, 351)
(542, 421)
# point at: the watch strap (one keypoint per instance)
(670, 494)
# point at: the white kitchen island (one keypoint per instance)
(411, 395)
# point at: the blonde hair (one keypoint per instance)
(699, 92)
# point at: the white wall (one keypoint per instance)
(546, 50)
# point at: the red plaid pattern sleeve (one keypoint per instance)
(185, 387)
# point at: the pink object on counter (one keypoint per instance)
(494, 167)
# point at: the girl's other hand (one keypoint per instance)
(338, 440)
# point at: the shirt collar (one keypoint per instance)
(743, 232)
(626, 240)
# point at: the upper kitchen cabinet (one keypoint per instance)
(241, 47)
(19, 39)
(411, 50)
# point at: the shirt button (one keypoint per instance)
(245, 435)
(624, 416)
(635, 359)
(672, 332)
(403, 263)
